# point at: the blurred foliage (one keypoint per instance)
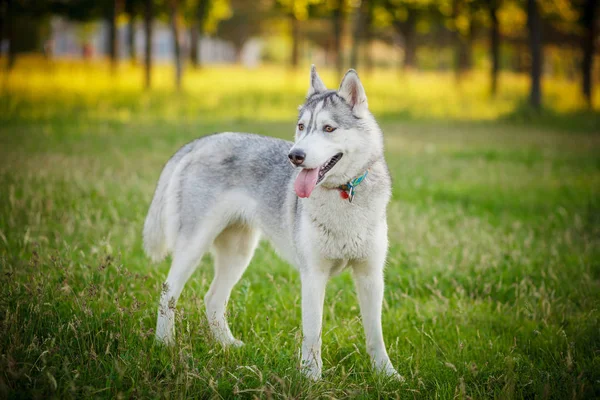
(410, 34)
(561, 15)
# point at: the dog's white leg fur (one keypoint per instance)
(313, 296)
(184, 264)
(369, 286)
(233, 250)
(368, 277)
(186, 257)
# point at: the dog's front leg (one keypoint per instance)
(313, 296)
(368, 277)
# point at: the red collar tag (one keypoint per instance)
(344, 195)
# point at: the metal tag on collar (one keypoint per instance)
(351, 194)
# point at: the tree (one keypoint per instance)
(295, 33)
(338, 21)
(174, 18)
(404, 17)
(199, 16)
(243, 23)
(10, 35)
(204, 17)
(23, 22)
(494, 45)
(114, 10)
(368, 35)
(358, 32)
(590, 10)
(462, 16)
(148, 17)
(535, 48)
(296, 11)
(407, 29)
(131, 8)
(363, 33)
(3, 18)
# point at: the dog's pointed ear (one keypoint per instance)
(316, 84)
(352, 90)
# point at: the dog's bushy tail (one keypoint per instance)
(155, 240)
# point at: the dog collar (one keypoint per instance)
(347, 190)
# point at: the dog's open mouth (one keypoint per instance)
(308, 178)
(325, 168)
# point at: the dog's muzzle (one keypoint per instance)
(297, 157)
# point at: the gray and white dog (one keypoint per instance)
(321, 201)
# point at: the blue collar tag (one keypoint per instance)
(347, 190)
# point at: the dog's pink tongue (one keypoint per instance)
(306, 182)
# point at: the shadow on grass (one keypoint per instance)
(581, 121)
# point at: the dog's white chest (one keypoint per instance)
(341, 232)
(344, 242)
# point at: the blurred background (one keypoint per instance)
(508, 54)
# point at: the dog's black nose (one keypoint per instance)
(297, 157)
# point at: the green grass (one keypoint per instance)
(493, 276)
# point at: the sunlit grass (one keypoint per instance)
(266, 93)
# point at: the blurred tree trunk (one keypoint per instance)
(197, 31)
(113, 38)
(407, 29)
(10, 35)
(464, 43)
(338, 17)
(369, 36)
(359, 32)
(468, 54)
(520, 53)
(410, 50)
(194, 40)
(3, 19)
(131, 31)
(458, 40)
(494, 46)
(173, 10)
(295, 58)
(238, 53)
(148, 17)
(589, 25)
(535, 47)
(131, 40)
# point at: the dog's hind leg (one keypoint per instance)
(233, 250)
(186, 258)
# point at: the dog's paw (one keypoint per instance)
(231, 342)
(314, 374)
(391, 373)
(311, 371)
(164, 340)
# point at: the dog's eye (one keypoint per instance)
(300, 127)
(329, 128)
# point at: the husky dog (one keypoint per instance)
(321, 201)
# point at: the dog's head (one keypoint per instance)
(337, 138)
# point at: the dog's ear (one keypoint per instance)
(353, 92)
(316, 84)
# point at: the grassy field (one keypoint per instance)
(493, 276)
